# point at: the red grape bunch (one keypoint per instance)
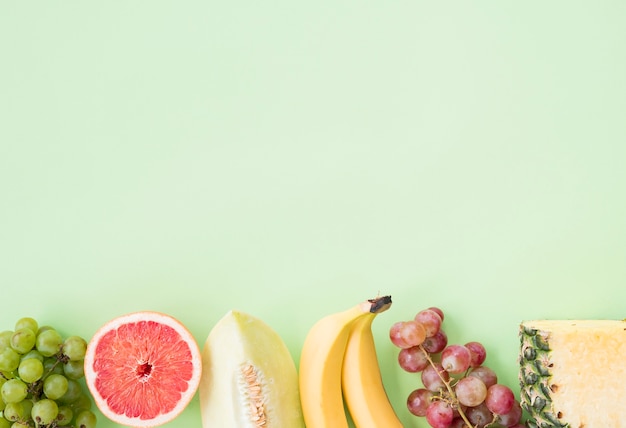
(458, 390)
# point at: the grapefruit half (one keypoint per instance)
(142, 369)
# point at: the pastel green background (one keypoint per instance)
(291, 159)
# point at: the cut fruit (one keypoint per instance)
(572, 373)
(142, 369)
(249, 378)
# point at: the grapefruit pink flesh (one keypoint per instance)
(142, 369)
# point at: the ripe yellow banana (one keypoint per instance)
(362, 384)
(321, 364)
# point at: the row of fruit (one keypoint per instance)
(142, 369)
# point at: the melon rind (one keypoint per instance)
(236, 343)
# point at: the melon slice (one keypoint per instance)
(249, 378)
(572, 373)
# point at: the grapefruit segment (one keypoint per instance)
(142, 369)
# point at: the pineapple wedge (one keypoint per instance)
(573, 373)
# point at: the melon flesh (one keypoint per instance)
(578, 367)
(249, 377)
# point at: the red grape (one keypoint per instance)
(418, 401)
(485, 374)
(470, 391)
(455, 358)
(394, 335)
(432, 377)
(412, 359)
(513, 417)
(436, 343)
(478, 352)
(479, 416)
(457, 422)
(405, 334)
(439, 311)
(500, 399)
(430, 320)
(439, 414)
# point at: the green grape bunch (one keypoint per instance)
(41, 379)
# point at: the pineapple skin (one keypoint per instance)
(534, 377)
(572, 373)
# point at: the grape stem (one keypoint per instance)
(451, 394)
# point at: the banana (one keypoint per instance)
(361, 379)
(321, 364)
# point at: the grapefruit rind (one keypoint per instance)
(137, 368)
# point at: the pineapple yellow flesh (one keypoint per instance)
(573, 373)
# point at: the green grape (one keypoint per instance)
(48, 342)
(2, 403)
(44, 411)
(83, 402)
(74, 369)
(65, 415)
(28, 405)
(85, 419)
(44, 328)
(33, 354)
(20, 424)
(27, 322)
(74, 347)
(13, 390)
(18, 411)
(23, 340)
(9, 360)
(52, 365)
(74, 391)
(5, 339)
(30, 370)
(4, 423)
(7, 375)
(12, 411)
(55, 386)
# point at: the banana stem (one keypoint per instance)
(453, 399)
(378, 304)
